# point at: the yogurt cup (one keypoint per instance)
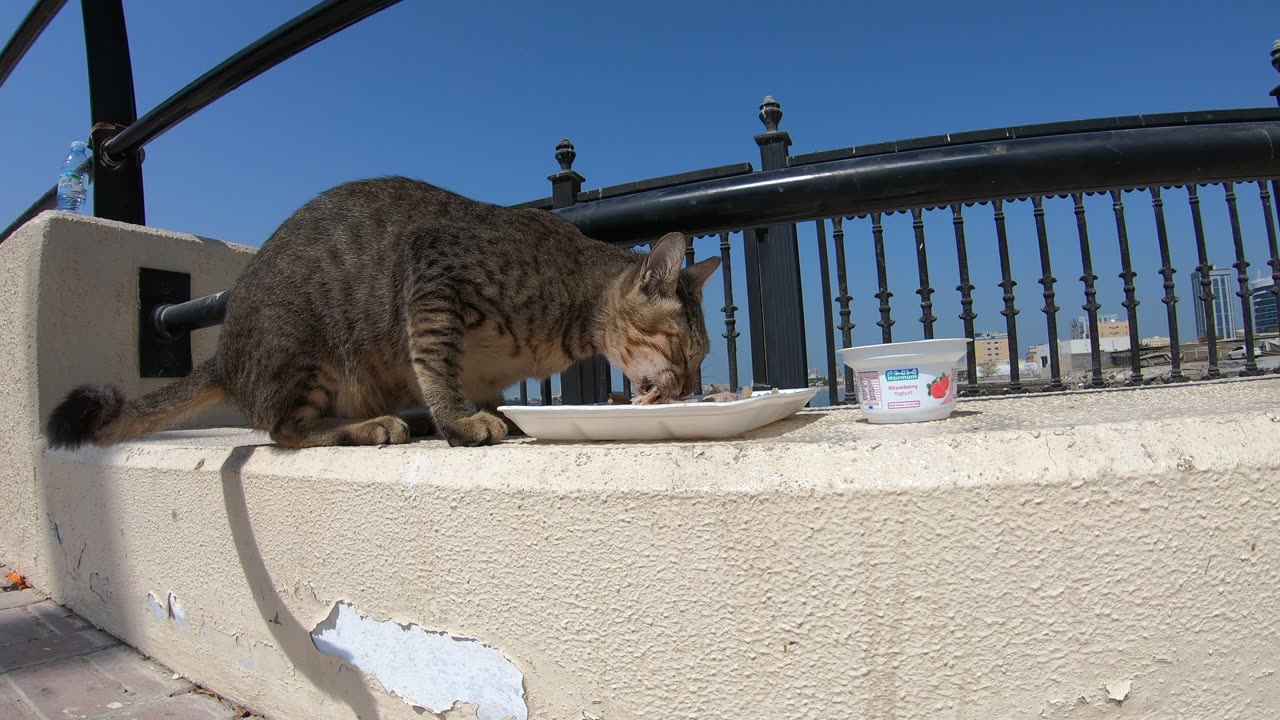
(907, 381)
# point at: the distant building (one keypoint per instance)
(1076, 355)
(1266, 318)
(1108, 326)
(1225, 320)
(991, 347)
(1113, 328)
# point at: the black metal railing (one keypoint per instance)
(847, 197)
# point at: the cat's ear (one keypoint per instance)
(700, 272)
(661, 268)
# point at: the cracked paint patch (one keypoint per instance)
(178, 614)
(100, 585)
(158, 610)
(1118, 691)
(170, 609)
(430, 670)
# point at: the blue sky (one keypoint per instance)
(474, 96)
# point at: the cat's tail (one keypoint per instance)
(101, 416)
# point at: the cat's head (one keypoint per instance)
(654, 327)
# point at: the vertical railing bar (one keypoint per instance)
(689, 256)
(1047, 280)
(626, 386)
(1007, 283)
(1204, 270)
(925, 292)
(846, 327)
(1089, 278)
(966, 288)
(1274, 261)
(730, 333)
(824, 268)
(524, 392)
(1170, 299)
(882, 279)
(1245, 293)
(118, 192)
(752, 238)
(546, 392)
(1131, 301)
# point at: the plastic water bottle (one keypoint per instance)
(72, 181)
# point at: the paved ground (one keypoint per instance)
(54, 665)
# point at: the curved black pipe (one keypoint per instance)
(974, 172)
(940, 176)
(291, 38)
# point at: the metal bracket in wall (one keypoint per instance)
(158, 354)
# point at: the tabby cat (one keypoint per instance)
(386, 295)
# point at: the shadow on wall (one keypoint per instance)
(335, 677)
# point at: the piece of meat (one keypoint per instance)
(648, 398)
(651, 398)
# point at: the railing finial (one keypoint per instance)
(565, 155)
(1275, 55)
(770, 113)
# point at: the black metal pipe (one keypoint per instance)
(37, 19)
(291, 38)
(1015, 168)
(171, 321)
(941, 176)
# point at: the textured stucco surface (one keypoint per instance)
(69, 315)
(1031, 557)
(1091, 555)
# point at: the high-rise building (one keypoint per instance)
(1225, 304)
(1266, 318)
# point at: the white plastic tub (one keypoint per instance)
(672, 421)
(908, 381)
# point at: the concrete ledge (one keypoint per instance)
(1085, 555)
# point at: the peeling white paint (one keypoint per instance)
(100, 585)
(177, 613)
(431, 670)
(1118, 691)
(170, 609)
(158, 611)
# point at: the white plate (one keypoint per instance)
(672, 421)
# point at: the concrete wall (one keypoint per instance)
(1091, 555)
(69, 315)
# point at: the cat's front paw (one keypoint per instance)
(482, 428)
